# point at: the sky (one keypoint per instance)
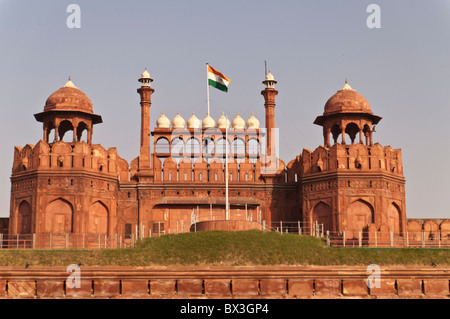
(402, 68)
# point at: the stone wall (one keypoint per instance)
(281, 282)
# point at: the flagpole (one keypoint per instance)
(226, 169)
(207, 88)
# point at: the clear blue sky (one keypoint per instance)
(311, 47)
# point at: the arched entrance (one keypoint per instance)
(98, 219)
(394, 220)
(58, 217)
(322, 215)
(359, 215)
(24, 218)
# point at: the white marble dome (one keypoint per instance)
(252, 122)
(178, 121)
(238, 122)
(193, 121)
(223, 122)
(208, 122)
(145, 74)
(163, 121)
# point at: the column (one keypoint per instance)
(327, 137)
(343, 134)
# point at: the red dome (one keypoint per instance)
(68, 99)
(347, 100)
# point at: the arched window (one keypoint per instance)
(64, 127)
(82, 130)
(192, 146)
(253, 146)
(352, 130)
(162, 145)
(177, 147)
(238, 146)
(222, 146)
(208, 146)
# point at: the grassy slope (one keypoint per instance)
(228, 249)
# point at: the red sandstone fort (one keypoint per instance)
(347, 184)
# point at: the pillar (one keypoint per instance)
(269, 97)
(343, 134)
(145, 93)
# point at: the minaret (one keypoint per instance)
(145, 92)
(269, 94)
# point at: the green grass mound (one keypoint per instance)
(216, 248)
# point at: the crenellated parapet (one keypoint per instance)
(198, 170)
(352, 158)
(62, 156)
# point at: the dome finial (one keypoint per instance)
(346, 87)
(69, 84)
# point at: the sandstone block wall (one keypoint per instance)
(300, 282)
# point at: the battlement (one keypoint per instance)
(354, 157)
(69, 156)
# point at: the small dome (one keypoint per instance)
(145, 74)
(68, 98)
(269, 77)
(347, 100)
(178, 121)
(208, 122)
(163, 121)
(238, 122)
(193, 121)
(252, 122)
(223, 122)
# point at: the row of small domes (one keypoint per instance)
(208, 122)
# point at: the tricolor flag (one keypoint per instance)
(217, 79)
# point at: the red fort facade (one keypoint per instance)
(347, 184)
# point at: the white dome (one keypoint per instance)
(223, 122)
(163, 121)
(269, 77)
(178, 121)
(193, 121)
(145, 74)
(252, 122)
(238, 122)
(208, 122)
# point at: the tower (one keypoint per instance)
(269, 94)
(64, 184)
(145, 93)
(352, 184)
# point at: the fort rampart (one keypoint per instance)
(279, 282)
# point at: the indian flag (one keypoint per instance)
(217, 79)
